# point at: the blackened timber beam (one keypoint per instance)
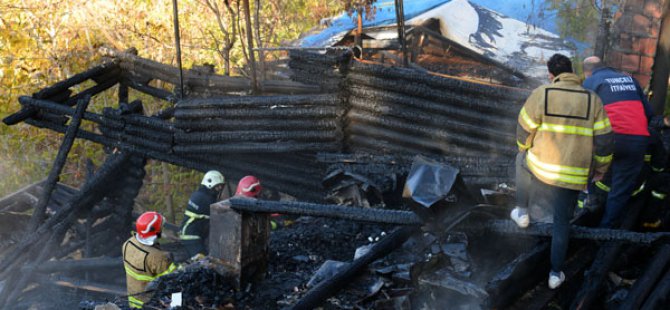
(256, 147)
(607, 256)
(288, 87)
(317, 112)
(542, 295)
(77, 265)
(433, 80)
(577, 232)
(511, 281)
(331, 211)
(90, 92)
(59, 88)
(55, 227)
(222, 137)
(660, 295)
(261, 101)
(76, 79)
(644, 284)
(89, 193)
(56, 108)
(90, 286)
(59, 163)
(171, 158)
(149, 90)
(331, 286)
(146, 68)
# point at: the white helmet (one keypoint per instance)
(213, 178)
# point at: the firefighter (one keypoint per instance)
(249, 187)
(195, 226)
(562, 129)
(143, 259)
(629, 113)
(654, 163)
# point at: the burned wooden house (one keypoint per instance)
(344, 131)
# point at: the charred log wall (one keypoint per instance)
(399, 110)
(363, 108)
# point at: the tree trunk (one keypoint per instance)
(259, 42)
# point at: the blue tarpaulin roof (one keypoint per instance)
(522, 10)
(511, 33)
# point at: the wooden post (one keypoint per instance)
(61, 158)
(250, 46)
(240, 241)
(177, 43)
(400, 18)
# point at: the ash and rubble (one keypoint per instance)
(347, 137)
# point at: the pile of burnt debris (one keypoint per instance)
(365, 223)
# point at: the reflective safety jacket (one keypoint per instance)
(566, 133)
(143, 264)
(196, 217)
(623, 99)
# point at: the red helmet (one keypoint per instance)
(149, 226)
(249, 186)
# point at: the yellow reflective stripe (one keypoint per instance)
(522, 146)
(647, 158)
(557, 177)
(602, 186)
(639, 190)
(170, 269)
(183, 230)
(652, 225)
(603, 159)
(189, 237)
(602, 124)
(658, 195)
(566, 129)
(135, 303)
(575, 171)
(137, 276)
(195, 215)
(147, 278)
(657, 169)
(580, 204)
(529, 122)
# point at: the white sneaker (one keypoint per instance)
(556, 279)
(520, 216)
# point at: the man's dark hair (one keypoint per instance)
(558, 64)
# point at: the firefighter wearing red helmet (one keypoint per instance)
(195, 226)
(249, 186)
(143, 259)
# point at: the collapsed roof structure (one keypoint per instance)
(344, 131)
(517, 43)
